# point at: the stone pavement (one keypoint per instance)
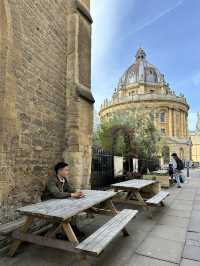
(171, 238)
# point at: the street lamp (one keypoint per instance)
(190, 157)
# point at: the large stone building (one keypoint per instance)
(46, 106)
(143, 86)
(195, 139)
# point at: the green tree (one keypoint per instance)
(130, 134)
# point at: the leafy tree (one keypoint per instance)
(130, 134)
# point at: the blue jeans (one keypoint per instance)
(178, 178)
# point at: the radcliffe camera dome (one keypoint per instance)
(141, 71)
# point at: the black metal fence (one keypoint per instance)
(102, 173)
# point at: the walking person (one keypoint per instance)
(178, 166)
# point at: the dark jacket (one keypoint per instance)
(56, 189)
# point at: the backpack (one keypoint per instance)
(180, 165)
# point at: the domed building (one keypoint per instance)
(143, 86)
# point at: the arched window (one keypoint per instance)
(162, 117)
(163, 131)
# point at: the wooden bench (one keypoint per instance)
(8, 228)
(97, 242)
(158, 198)
(5, 234)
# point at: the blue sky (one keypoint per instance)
(167, 30)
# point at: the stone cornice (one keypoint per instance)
(85, 93)
(175, 140)
(145, 98)
(84, 11)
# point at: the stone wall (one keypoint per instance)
(45, 99)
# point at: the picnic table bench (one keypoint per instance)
(60, 212)
(137, 189)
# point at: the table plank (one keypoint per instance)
(134, 184)
(63, 209)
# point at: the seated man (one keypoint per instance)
(58, 187)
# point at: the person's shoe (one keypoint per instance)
(61, 236)
(179, 187)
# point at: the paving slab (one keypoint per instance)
(181, 206)
(191, 187)
(179, 213)
(196, 207)
(184, 196)
(174, 221)
(160, 248)
(183, 202)
(193, 235)
(121, 250)
(196, 213)
(194, 225)
(138, 260)
(192, 250)
(186, 262)
(32, 255)
(143, 222)
(169, 232)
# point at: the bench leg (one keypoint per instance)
(145, 207)
(83, 260)
(70, 233)
(51, 233)
(72, 238)
(162, 204)
(16, 243)
(156, 188)
(130, 195)
(111, 207)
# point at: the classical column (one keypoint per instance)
(174, 123)
(186, 125)
(170, 122)
(183, 124)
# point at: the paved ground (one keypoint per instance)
(172, 237)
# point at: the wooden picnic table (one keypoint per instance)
(141, 192)
(136, 184)
(60, 212)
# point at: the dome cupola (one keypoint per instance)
(140, 55)
(141, 71)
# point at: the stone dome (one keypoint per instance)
(141, 71)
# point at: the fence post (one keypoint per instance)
(188, 169)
